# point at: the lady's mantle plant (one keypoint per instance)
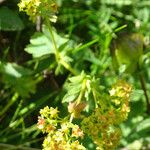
(96, 110)
(101, 124)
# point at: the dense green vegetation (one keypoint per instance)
(88, 61)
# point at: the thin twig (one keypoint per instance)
(1, 1)
(143, 85)
(13, 147)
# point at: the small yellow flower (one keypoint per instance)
(41, 123)
(112, 92)
(76, 146)
(65, 128)
(77, 132)
(125, 108)
(54, 112)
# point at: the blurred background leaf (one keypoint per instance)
(9, 20)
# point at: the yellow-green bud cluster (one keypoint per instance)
(61, 134)
(34, 8)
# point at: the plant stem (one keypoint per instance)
(82, 91)
(57, 55)
(16, 112)
(86, 45)
(13, 147)
(53, 39)
(68, 67)
(95, 99)
(71, 118)
(11, 102)
(143, 85)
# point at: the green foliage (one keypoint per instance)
(17, 77)
(79, 64)
(41, 43)
(9, 20)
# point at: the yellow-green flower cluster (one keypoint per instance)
(101, 129)
(102, 124)
(47, 122)
(120, 96)
(57, 142)
(61, 134)
(34, 8)
(30, 7)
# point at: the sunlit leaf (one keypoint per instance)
(41, 43)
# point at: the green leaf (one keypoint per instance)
(59, 40)
(18, 78)
(91, 58)
(9, 20)
(73, 88)
(84, 88)
(144, 126)
(41, 43)
(72, 94)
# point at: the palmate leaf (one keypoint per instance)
(87, 88)
(73, 88)
(41, 43)
(18, 78)
(83, 88)
(9, 20)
